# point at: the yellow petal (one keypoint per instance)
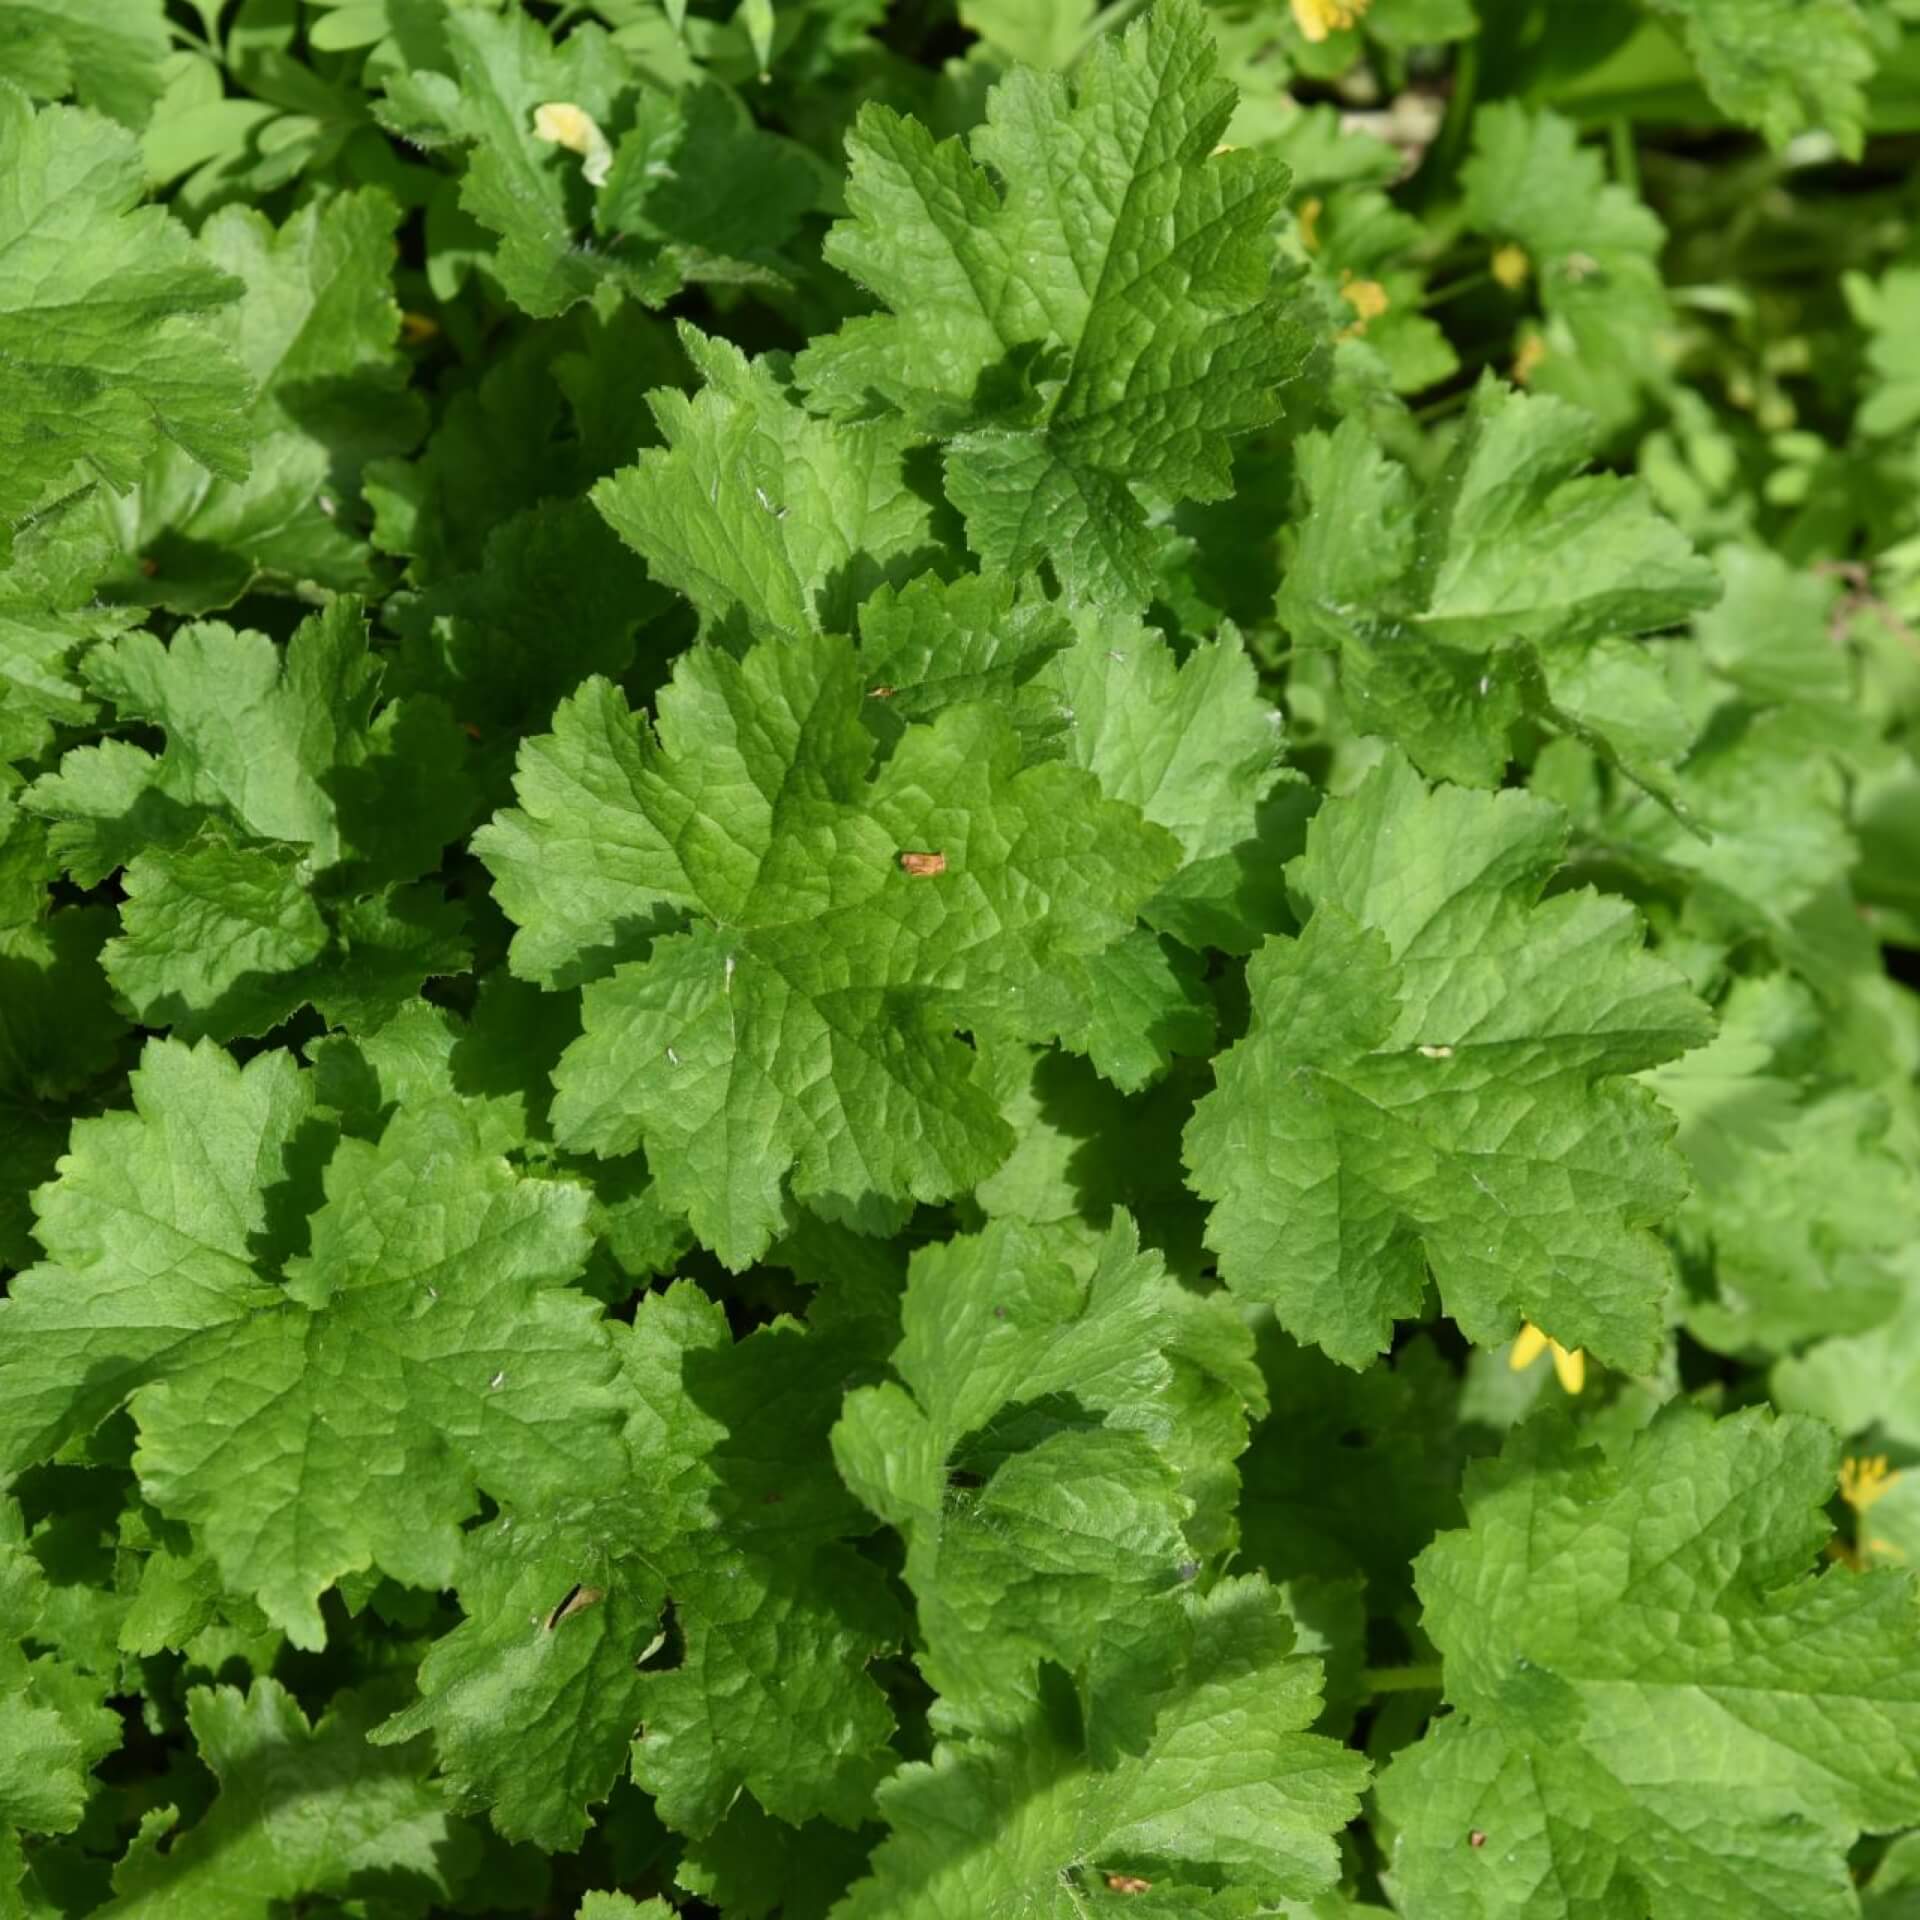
(1318, 18)
(1510, 266)
(1865, 1480)
(1309, 218)
(1368, 298)
(1529, 1344)
(1527, 362)
(574, 128)
(1570, 1367)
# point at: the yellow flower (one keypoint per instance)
(1531, 1343)
(1510, 266)
(1368, 299)
(1864, 1481)
(575, 129)
(1318, 18)
(1527, 362)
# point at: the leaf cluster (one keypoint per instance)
(856, 856)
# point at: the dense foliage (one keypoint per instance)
(951, 959)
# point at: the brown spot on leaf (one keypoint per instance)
(1476, 1838)
(578, 1601)
(923, 865)
(1128, 1883)
(881, 692)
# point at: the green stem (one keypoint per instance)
(1109, 19)
(1444, 161)
(197, 41)
(1439, 296)
(1626, 154)
(1424, 1679)
(1446, 404)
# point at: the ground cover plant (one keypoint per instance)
(956, 959)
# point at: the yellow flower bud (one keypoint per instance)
(574, 128)
(1367, 298)
(1569, 1364)
(1511, 267)
(1529, 359)
(1318, 18)
(1863, 1481)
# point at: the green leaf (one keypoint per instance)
(1228, 1788)
(1046, 1364)
(1889, 311)
(303, 1809)
(1592, 250)
(385, 947)
(1081, 1149)
(151, 1231)
(426, 1346)
(340, 1415)
(769, 519)
(1087, 823)
(565, 404)
(1775, 846)
(57, 1029)
(1352, 1473)
(105, 350)
(276, 743)
(779, 1618)
(1458, 610)
(939, 643)
(1191, 743)
(483, 640)
(106, 53)
(1420, 23)
(1657, 1708)
(621, 1906)
(201, 925)
(1360, 236)
(728, 1512)
(498, 70)
(1782, 66)
(1433, 1081)
(1037, 33)
(532, 1702)
(48, 613)
(1863, 1382)
(723, 197)
(59, 1032)
(1770, 638)
(428, 1054)
(578, 866)
(753, 1867)
(1801, 1185)
(1147, 1001)
(277, 770)
(803, 1025)
(55, 1725)
(1080, 301)
(317, 331)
